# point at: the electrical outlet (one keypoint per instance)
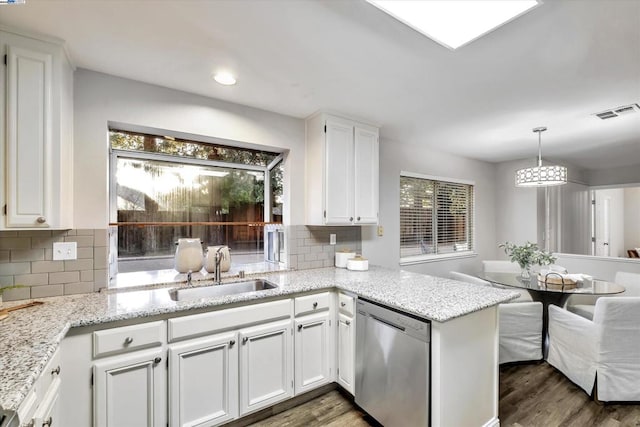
(65, 250)
(332, 239)
(380, 231)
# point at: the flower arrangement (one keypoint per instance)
(527, 255)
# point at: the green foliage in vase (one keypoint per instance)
(527, 255)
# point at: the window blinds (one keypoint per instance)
(436, 217)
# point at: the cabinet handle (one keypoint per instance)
(358, 218)
(347, 322)
(48, 422)
(299, 328)
(157, 360)
(351, 219)
(41, 220)
(128, 340)
(315, 305)
(232, 343)
(56, 371)
(342, 304)
(244, 340)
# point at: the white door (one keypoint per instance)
(312, 352)
(338, 186)
(29, 138)
(266, 365)
(366, 175)
(346, 352)
(203, 381)
(130, 390)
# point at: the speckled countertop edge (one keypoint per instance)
(29, 337)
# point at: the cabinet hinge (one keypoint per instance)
(4, 210)
(593, 202)
(593, 239)
(167, 363)
(325, 126)
(91, 379)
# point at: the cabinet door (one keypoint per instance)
(312, 352)
(29, 137)
(203, 381)
(266, 365)
(366, 186)
(338, 174)
(130, 390)
(346, 352)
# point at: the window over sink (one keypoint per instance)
(436, 218)
(164, 188)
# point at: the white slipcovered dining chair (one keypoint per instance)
(584, 305)
(600, 355)
(499, 266)
(520, 326)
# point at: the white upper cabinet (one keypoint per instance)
(342, 172)
(36, 134)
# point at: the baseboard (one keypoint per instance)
(493, 422)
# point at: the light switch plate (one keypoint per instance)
(380, 231)
(65, 250)
(332, 239)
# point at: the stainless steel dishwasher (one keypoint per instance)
(392, 365)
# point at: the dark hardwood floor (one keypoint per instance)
(531, 395)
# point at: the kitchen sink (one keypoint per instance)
(221, 290)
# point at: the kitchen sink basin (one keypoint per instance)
(221, 290)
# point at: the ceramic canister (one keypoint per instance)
(342, 256)
(210, 261)
(188, 255)
(358, 264)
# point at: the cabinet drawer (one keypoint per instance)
(312, 303)
(127, 338)
(50, 372)
(346, 304)
(224, 320)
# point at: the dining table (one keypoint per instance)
(551, 293)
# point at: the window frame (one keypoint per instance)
(425, 258)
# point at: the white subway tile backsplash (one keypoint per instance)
(47, 291)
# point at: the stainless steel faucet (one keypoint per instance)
(189, 278)
(217, 277)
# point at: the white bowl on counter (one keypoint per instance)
(358, 264)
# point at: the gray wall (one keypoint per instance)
(396, 157)
(101, 98)
(631, 218)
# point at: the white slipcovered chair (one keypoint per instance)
(603, 352)
(584, 305)
(499, 266)
(520, 325)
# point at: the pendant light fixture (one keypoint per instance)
(541, 176)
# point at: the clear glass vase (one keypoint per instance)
(525, 274)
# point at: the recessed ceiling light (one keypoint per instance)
(224, 78)
(454, 23)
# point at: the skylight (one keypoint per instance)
(454, 23)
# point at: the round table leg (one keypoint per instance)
(547, 299)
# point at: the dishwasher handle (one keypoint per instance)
(386, 322)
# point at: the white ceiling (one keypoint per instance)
(553, 67)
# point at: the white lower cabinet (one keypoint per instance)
(203, 381)
(266, 365)
(346, 341)
(130, 390)
(312, 351)
(346, 352)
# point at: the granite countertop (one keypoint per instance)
(29, 337)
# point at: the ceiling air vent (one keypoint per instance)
(619, 111)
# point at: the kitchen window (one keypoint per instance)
(436, 218)
(164, 188)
